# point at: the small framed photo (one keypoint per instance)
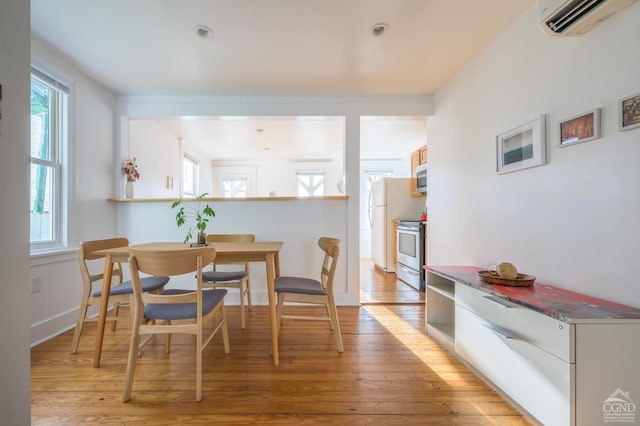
(522, 147)
(629, 112)
(580, 128)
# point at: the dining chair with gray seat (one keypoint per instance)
(120, 293)
(237, 277)
(174, 310)
(312, 291)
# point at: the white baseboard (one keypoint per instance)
(58, 324)
(52, 327)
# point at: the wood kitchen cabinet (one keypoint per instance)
(423, 154)
(560, 356)
(419, 156)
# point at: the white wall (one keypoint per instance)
(157, 154)
(54, 308)
(573, 222)
(15, 398)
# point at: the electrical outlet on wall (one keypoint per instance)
(36, 285)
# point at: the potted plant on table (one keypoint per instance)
(188, 211)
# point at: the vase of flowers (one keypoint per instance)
(130, 170)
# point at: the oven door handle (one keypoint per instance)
(409, 230)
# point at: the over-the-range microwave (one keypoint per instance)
(421, 178)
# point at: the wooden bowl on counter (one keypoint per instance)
(522, 280)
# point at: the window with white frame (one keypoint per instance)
(49, 177)
(310, 183)
(190, 176)
(234, 186)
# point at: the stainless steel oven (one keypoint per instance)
(410, 255)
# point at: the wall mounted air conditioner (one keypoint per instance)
(576, 17)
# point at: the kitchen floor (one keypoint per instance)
(378, 287)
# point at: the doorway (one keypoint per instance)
(386, 144)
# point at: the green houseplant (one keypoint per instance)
(188, 211)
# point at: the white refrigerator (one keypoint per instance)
(389, 199)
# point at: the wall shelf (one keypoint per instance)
(220, 199)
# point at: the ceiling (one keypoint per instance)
(271, 47)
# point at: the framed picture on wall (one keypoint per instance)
(521, 147)
(629, 112)
(580, 128)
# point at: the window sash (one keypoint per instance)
(49, 124)
(235, 187)
(50, 81)
(190, 175)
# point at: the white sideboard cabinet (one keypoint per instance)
(561, 357)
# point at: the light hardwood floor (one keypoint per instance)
(391, 373)
(380, 287)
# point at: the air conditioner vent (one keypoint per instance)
(576, 17)
(572, 12)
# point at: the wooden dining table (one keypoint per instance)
(233, 252)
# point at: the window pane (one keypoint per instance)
(234, 187)
(40, 121)
(48, 140)
(42, 216)
(189, 176)
(310, 184)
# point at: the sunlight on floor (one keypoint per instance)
(413, 339)
(421, 345)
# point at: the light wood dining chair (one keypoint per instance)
(120, 293)
(311, 291)
(190, 309)
(238, 277)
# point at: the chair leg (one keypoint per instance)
(116, 312)
(225, 330)
(279, 308)
(332, 326)
(242, 305)
(333, 317)
(199, 363)
(82, 314)
(248, 291)
(167, 341)
(132, 359)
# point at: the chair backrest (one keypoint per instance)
(169, 263)
(331, 248)
(86, 252)
(231, 238)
